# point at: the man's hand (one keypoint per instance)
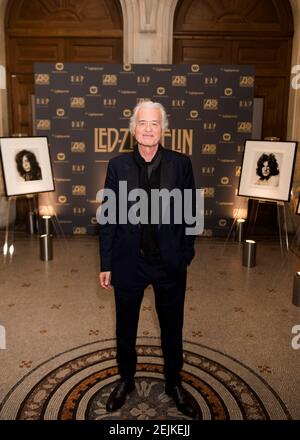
(104, 278)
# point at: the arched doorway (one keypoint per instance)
(256, 32)
(54, 30)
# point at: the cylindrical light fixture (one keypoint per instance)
(249, 253)
(46, 247)
(296, 290)
(47, 224)
(240, 229)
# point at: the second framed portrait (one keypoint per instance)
(267, 170)
(26, 165)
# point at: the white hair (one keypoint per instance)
(149, 104)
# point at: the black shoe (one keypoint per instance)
(182, 400)
(118, 396)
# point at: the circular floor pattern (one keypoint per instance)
(75, 385)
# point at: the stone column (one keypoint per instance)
(148, 31)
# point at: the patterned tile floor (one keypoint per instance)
(60, 347)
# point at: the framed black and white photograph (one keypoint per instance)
(26, 165)
(267, 170)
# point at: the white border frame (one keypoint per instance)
(13, 182)
(285, 153)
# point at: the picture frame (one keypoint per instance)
(26, 165)
(298, 207)
(267, 169)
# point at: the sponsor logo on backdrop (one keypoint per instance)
(59, 66)
(79, 125)
(127, 113)
(238, 171)
(42, 79)
(160, 90)
(178, 103)
(143, 80)
(93, 90)
(60, 112)
(194, 114)
(78, 168)
(210, 104)
(62, 200)
(209, 126)
(94, 221)
(127, 67)
(179, 81)
(77, 102)
(109, 80)
(208, 171)
(43, 124)
(79, 230)
(107, 139)
(109, 102)
(195, 68)
(78, 147)
(246, 103)
(209, 192)
(209, 148)
(226, 137)
(211, 80)
(78, 190)
(224, 180)
(222, 222)
(244, 127)
(228, 91)
(42, 102)
(61, 156)
(247, 81)
(76, 79)
(79, 210)
(207, 233)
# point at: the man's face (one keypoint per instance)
(148, 128)
(265, 169)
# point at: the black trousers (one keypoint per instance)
(169, 292)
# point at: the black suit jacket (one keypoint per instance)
(120, 243)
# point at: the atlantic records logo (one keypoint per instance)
(210, 104)
(59, 66)
(42, 79)
(61, 156)
(209, 148)
(227, 137)
(160, 90)
(79, 230)
(93, 90)
(127, 67)
(43, 124)
(78, 147)
(209, 192)
(194, 114)
(60, 112)
(244, 127)
(62, 199)
(179, 81)
(126, 113)
(78, 190)
(109, 80)
(228, 91)
(195, 68)
(246, 81)
(77, 102)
